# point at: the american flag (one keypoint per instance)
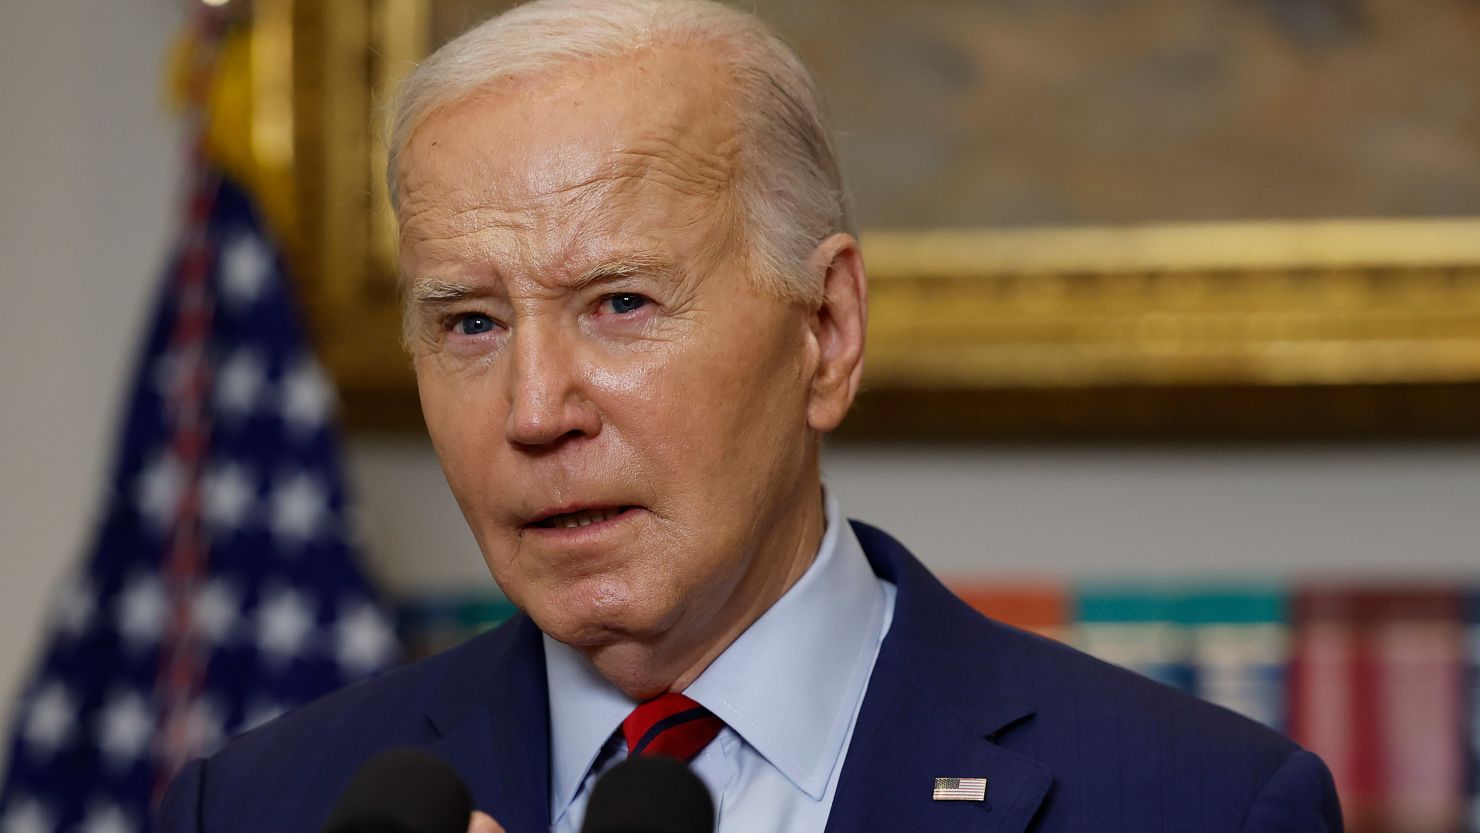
(222, 588)
(960, 789)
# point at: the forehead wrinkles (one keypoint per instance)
(694, 168)
(668, 156)
(435, 222)
(690, 153)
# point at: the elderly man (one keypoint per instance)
(635, 309)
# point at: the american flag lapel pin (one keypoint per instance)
(960, 789)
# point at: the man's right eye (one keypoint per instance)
(474, 324)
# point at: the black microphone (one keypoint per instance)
(402, 791)
(649, 794)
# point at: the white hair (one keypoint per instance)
(788, 181)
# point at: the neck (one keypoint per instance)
(674, 660)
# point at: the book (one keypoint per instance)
(1376, 690)
(1238, 639)
(1135, 627)
(433, 622)
(1041, 607)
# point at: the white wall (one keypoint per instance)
(87, 185)
(88, 173)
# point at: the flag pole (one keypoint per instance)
(182, 661)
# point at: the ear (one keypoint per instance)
(838, 326)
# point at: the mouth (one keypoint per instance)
(574, 519)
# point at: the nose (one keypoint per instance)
(548, 402)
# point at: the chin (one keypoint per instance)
(597, 613)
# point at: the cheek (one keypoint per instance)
(464, 424)
(757, 384)
(717, 417)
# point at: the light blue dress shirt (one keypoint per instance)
(788, 689)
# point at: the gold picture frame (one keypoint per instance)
(1326, 328)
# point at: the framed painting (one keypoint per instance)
(1141, 218)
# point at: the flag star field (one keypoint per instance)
(276, 612)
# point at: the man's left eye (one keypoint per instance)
(623, 303)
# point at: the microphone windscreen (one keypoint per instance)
(402, 791)
(649, 794)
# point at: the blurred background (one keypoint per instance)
(1319, 570)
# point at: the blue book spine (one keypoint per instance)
(1239, 648)
(1135, 627)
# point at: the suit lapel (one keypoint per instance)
(493, 721)
(939, 704)
(887, 782)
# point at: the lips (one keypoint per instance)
(572, 519)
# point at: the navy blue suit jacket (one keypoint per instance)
(1066, 742)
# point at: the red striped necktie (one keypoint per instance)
(670, 724)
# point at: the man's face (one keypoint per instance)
(622, 417)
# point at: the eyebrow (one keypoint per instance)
(623, 266)
(435, 291)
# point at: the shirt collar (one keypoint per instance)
(816, 644)
(585, 710)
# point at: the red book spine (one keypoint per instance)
(1324, 699)
(1376, 690)
(1417, 642)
